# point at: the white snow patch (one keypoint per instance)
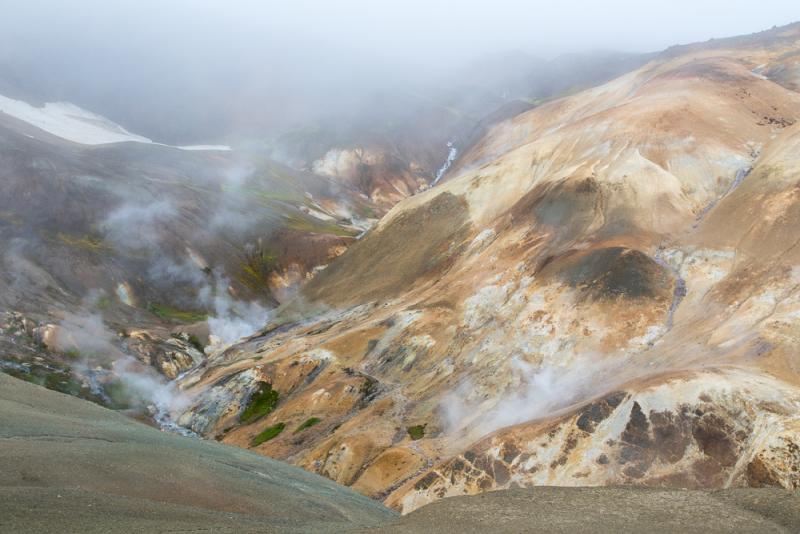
(70, 122)
(73, 123)
(221, 148)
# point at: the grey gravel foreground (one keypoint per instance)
(609, 510)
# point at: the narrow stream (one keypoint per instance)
(678, 294)
(451, 157)
(164, 421)
(741, 174)
(680, 290)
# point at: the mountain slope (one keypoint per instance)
(133, 203)
(401, 141)
(88, 469)
(604, 292)
(132, 249)
(69, 122)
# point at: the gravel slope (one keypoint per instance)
(67, 462)
(608, 510)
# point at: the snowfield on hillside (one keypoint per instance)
(70, 122)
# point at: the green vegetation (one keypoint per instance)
(262, 402)
(290, 181)
(103, 303)
(195, 342)
(191, 339)
(368, 391)
(72, 354)
(268, 198)
(311, 421)
(416, 432)
(258, 263)
(61, 381)
(88, 242)
(267, 434)
(57, 376)
(303, 224)
(169, 313)
(119, 395)
(10, 218)
(368, 212)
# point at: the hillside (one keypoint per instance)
(88, 469)
(126, 260)
(398, 142)
(116, 248)
(602, 291)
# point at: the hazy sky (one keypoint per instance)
(171, 68)
(540, 27)
(400, 28)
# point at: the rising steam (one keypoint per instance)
(536, 391)
(102, 361)
(232, 319)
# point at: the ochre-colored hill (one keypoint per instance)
(605, 292)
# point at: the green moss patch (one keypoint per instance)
(103, 303)
(195, 342)
(86, 242)
(416, 432)
(56, 380)
(261, 403)
(308, 423)
(267, 434)
(369, 391)
(315, 226)
(119, 395)
(191, 339)
(169, 313)
(10, 218)
(258, 264)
